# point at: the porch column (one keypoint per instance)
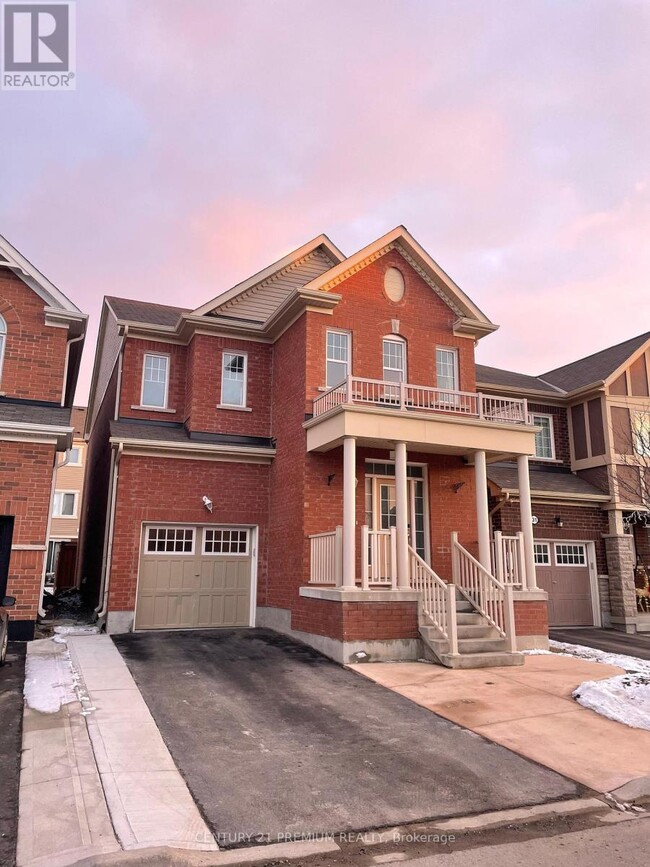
(349, 512)
(482, 511)
(401, 522)
(526, 517)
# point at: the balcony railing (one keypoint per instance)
(355, 390)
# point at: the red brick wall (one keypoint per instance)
(531, 618)
(131, 389)
(642, 543)
(425, 322)
(25, 491)
(240, 493)
(356, 621)
(34, 357)
(205, 357)
(560, 431)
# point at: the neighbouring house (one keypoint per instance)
(308, 451)
(60, 572)
(41, 339)
(590, 483)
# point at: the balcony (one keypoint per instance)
(380, 394)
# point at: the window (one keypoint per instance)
(394, 349)
(544, 445)
(155, 381)
(338, 357)
(225, 541)
(641, 428)
(3, 340)
(74, 457)
(447, 369)
(65, 504)
(233, 379)
(542, 554)
(570, 555)
(170, 540)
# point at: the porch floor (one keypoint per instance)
(529, 709)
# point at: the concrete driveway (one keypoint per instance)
(610, 640)
(12, 676)
(274, 739)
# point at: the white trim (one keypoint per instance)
(567, 544)
(4, 330)
(146, 355)
(78, 463)
(395, 338)
(244, 355)
(348, 363)
(454, 351)
(551, 430)
(229, 528)
(153, 409)
(547, 545)
(75, 505)
(164, 526)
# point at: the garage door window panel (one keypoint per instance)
(170, 540)
(570, 555)
(542, 554)
(232, 542)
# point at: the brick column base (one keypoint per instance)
(531, 619)
(622, 593)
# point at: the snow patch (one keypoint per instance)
(49, 681)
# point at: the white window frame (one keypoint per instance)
(75, 501)
(454, 352)
(551, 432)
(244, 355)
(394, 338)
(229, 529)
(581, 545)
(547, 551)
(641, 433)
(78, 463)
(347, 362)
(168, 527)
(146, 355)
(3, 342)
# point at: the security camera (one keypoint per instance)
(207, 502)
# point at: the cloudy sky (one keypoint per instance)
(207, 138)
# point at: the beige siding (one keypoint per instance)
(70, 478)
(259, 302)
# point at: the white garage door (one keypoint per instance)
(194, 577)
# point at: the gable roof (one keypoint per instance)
(597, 367)
(37, 282)
(147, 312)
(256, 298)
(509, 379)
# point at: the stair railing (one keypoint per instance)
(438, 599)
(489, 597)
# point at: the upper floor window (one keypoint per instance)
(338, 357)
(74, 457)
(65, 504)
(544, 444)
(394, 352)
(233, 379)
(3, 340)
(155, 381)
(641, 429)
(447, 369)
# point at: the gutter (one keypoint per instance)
(102, 608)
(67, 360)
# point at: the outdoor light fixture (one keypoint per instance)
(456, 487)
(330, 479)
(559, 522)
(207, 502)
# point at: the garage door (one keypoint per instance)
(194, 577)
(563, 571)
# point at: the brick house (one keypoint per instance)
(590, 483)
(308, 452)
(41, 339)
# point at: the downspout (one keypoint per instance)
(108, 539)
(55, 468)
(65, 368)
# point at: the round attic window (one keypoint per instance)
(394, 284)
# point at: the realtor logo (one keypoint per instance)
(38, 46)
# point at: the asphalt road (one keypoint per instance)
(273, 738)
(12, 676)
(610, 640)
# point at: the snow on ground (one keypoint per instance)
(49, 681)
(624, 698)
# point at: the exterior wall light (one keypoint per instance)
(559, 522)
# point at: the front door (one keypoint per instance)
(384, 510)
(6, 535)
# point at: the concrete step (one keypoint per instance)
(465, 618)
(481, 645)
(481, 660)
(477, 630)
(464, 605)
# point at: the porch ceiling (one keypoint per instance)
(440, 434)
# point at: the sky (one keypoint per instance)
(207, 138)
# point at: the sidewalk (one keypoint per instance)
(96, 775)
(529, 710)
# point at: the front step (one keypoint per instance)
(481, 660)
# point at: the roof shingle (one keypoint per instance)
(555, 481)
(596, 367)
(146, 311)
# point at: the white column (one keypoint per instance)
(526, 517)
(402, 511)
(349, 512)
(482, 511)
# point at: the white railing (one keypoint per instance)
(490, 597)
(421, 398)
(508, 559)
(326, 557)
(438, 598)
(378, 558)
